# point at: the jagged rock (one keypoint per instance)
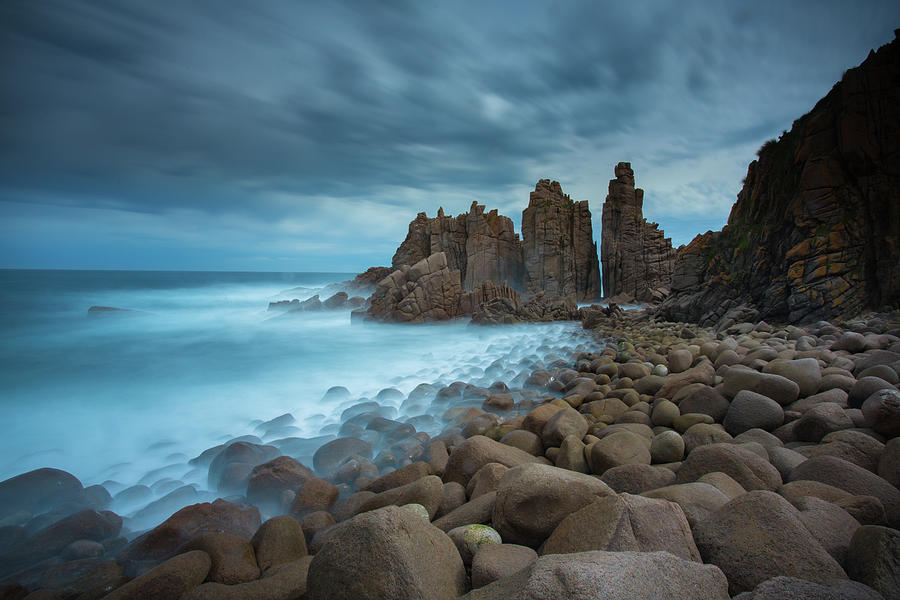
(490, 293)
(481, 246)
(427, 291)
(637, 257)
(815, 232)
(560, 256)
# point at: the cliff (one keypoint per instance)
(559, 252)
(637, 258)
(815, 231)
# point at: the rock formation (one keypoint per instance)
(427, 291)
(559, 253)
(815, 232)
(481, 246)
(637, 258)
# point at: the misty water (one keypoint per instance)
(129, 397)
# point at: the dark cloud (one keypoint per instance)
(264, 109)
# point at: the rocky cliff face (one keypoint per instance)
(815, 232)
(637, 258)
(481, 246)
(559, 253)
(427, 291)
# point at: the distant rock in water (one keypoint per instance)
(815, 232)
(637, 257)
(100, 311)
(481, 246)
(559, 251)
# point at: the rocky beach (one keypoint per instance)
(554, 419)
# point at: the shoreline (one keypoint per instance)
(559, 420)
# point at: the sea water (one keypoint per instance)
(198, 359)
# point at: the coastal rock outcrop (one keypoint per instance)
(427, 291)
(481, 246)
(637, 258)
(558, 248)
(815, 231)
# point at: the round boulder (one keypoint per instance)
(750, 410)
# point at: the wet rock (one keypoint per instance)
(169, 580)
(232, 557)
(38, 491)
(278, 541)
(414, 559)
(314, 495)
(164, 540)
(270, 480)
(229, 470)
(330, 456)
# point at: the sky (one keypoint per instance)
(301, 136)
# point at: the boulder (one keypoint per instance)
(332, 454)
(477, 510)
(524, 440)
(882, 411)
(485, 480)
(232, 558)
(703, 373)
(270, 480)
(830, 524)
(619, 448)
(697, 500)
(758, 536)
(624, 522)
(314, 495)
(496, 561)
(804, 372)
(666, 447)
(781, 587)
(820, 420)
(400, 477)
(38, 491)
(469, 539)
(874, 559)
(283, 582)
(533, 499)
(853, 479)
(780, 389)
(636, 479)
(565, 422)
(749, 410)
(386, 553)
(620, 575)
(278, 541)
(703, 399)
(742, 465)
(172, 579)
(477, 451)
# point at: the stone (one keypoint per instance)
(54, 538)
(172, 579)
(704, 434)
(853, 479)
(636, 479)
(703, 373)
(496, 561)
(874, 559)
(558, 251)
(314, 495)
(477, 510)
(664, 413)
(477, 451)
(270, 480)
(621, 575)
(725, 484)
(386, 553)
(232, 558)
(820, 420)
(666, 447)
(278, 541)
(402, 476)
(332, 455)
(882, 411)
(748, 469)
(537, 419)
(780, 389)
(831, 525)
(759, 535)
(889, 463)
(637, 257)
(283, 582)
(165, 539)
(532, 499)
(485, 480)
(565, 422)
(697, 500)
(864, 388)
(804, 372)
(785, 459)
(38, 491)
(619, 448)
(571, 455)
(469, 539)
(524, 440)
(781, 587)
(750, 410)
(623, 523)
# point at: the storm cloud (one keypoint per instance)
(303, 136)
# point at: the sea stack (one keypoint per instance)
(637, 257)
(559, 251)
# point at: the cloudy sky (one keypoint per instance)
(300, 136)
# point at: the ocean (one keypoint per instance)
(128, 397)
